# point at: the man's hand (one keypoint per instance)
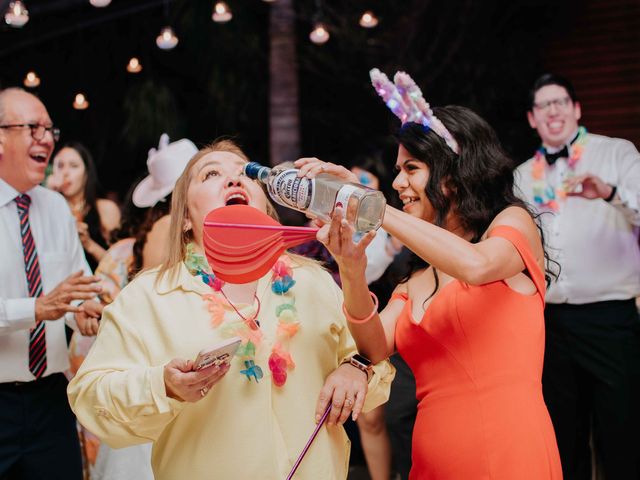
(592, 187)
(57, 302)
(88, 317)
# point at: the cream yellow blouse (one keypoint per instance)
(241, 429)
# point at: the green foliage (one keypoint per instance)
(149, 110)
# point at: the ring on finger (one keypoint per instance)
(203, 391)
(348, 402)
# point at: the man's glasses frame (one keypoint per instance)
(559, 103)
(37, 131)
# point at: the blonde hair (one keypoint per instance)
(178, 237)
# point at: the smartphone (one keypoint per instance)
(217, 355)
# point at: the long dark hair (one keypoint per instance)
(91, 185)
(152, 215)
(479, 180)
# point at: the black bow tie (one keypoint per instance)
(552, 157)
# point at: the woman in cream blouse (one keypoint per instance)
(137, 384)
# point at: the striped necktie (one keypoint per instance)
(37, 338)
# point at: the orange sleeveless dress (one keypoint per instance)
(477, 358)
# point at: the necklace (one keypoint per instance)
(248, 329)
(252, 322)
(548, 196)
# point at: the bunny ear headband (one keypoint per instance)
(404, 98)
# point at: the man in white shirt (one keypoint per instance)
(43, 273)
(587, 189)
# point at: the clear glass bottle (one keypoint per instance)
(318, 197)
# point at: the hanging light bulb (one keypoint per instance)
(99, 3)
(167, 39)
(221, 13)
(80, 102)
(368, 19)
(319, 34)
(134, 65)
(32, 80)
(268, 1)
(16, 15)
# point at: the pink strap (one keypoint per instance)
(399, 296)
(521, 243)
(309, 442)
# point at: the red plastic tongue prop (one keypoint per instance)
(242, 243)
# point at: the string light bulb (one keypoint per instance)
(17, 14)
(134, 65)
(80, 102)
(221, 13)
(368, 19)
(31, 80)
(99, 3)
(319, 34)
(167, 39)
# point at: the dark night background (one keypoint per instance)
(482, 54)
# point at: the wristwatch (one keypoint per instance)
(361, 363)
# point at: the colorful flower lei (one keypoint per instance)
(544, 194)
(280, 360)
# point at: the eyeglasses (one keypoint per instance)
(37, 130)
(559, 103)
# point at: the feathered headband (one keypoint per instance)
(405, 100)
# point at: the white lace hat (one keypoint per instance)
(165, 165)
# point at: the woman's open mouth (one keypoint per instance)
(237, 198)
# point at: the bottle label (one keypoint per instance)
(342, 198)
(295, 192)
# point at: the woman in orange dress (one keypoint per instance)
(468, 319)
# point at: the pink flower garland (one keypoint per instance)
(544, 194)
(280, 360)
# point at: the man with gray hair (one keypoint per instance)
(43, 276)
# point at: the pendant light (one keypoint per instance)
(319, 34)
(368, 20)
(31, 80)
(80, 102)
(16, 15)
(221, 13)
(167, 39)
(134, 65)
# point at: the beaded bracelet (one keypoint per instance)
(363, 320)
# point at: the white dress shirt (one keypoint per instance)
(379, 254)
(594, 242)
(59, 253)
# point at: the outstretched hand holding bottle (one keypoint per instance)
(317, 188)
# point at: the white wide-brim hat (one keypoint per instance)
(165, 165)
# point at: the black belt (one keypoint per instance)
(603, 303)
(42, 382)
